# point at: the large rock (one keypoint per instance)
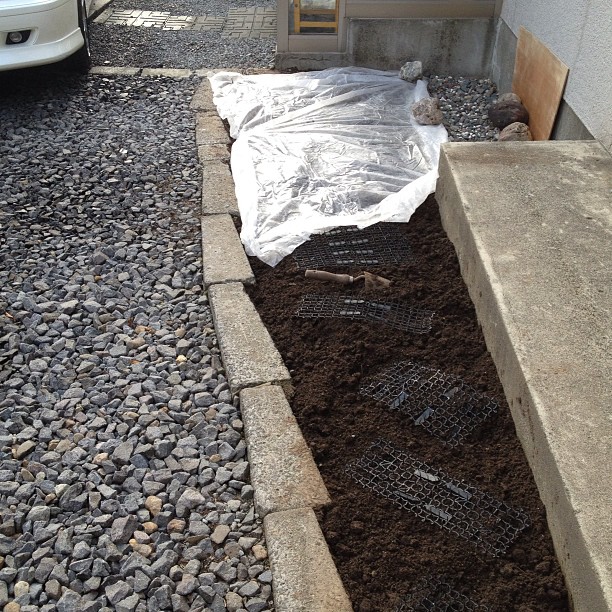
(427, 111)
(509, 97)
(515, 132)
(506, 112)
(411, 71)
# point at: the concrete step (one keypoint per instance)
(532, 226)
(248, 352)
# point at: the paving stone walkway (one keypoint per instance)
(253, 22)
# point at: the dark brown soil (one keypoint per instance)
(381, 551)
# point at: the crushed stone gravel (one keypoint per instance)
(121, 447)
(190, 7)
(117, 45)
(464, 103)
(154, 48)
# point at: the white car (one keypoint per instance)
(36, 32)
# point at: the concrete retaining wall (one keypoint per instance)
(445, 46)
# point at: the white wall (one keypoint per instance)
(579, 33)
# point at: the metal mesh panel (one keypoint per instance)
(392, 313)
(444, 405)
(434, 497)
(436, 595)
(351, 247)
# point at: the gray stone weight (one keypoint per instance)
(411, 71)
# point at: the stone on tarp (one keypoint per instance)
(427, 111)
(515, 131)
(411, 71)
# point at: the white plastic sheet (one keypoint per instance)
(325, 149)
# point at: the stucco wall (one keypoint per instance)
(579, 33)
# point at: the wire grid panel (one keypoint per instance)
(436, 594)
(436, 498)
(392, 313)
(444, 405)
(351, 247)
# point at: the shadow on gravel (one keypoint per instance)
(31, 84)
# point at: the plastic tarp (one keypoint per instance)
(319, 150)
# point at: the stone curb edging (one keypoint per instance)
(285, 478)
(213, 142)
(224, 259)
(283, 472)
(177, 73)
(218, 195)
(248, 352)
(305, 578)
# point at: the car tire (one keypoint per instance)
(81, 60)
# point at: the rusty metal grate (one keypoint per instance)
(434, 497)
(348, 247)
(393, 313)
(435, 594)
(444, 405)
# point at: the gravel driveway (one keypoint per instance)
(123, 475)
(150, 47)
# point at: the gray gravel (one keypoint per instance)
(464, 103)
(153, 48)
(190, 7)
(124, 483)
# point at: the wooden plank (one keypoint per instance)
(539, 79)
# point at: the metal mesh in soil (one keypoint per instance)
(436, 594)
(444, 405)
(378, 244)
(434, 497)
(392, 313)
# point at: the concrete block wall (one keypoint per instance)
(445, 46)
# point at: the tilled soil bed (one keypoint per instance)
(381, 550)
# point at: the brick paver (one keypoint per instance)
(253, 22)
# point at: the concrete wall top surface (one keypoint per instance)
(579, 33)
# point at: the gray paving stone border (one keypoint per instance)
(224, 259)
(218, 193)
(115, 70)
(283, 472)
(305, 578)
(249, 354)
(176, 73)
(182, 73)
(284, 475)
(210, 130)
